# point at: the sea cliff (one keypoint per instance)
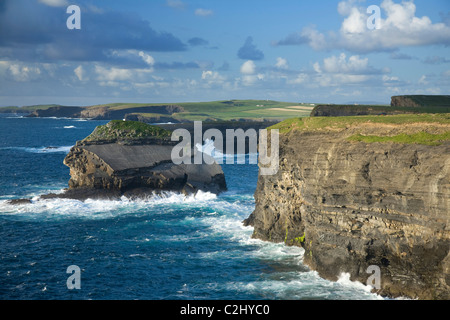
(356, 192)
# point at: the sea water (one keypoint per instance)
(164, 247)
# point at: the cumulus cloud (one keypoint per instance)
(111, 76)
(248, 67)
(249, 51)
(336, 71)
(399, 27)
(352, 65)
(281, 63)
(249, 74)
(213, 77)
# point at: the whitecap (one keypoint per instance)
(40, 150)
(344, 280)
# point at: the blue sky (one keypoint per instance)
(183, 50)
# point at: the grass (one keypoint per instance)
(118, 129)
(416, 138)
(321, 123)
(402, 121)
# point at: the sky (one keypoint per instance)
(166, 51)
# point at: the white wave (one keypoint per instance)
(69, 127)
(344, 279)
(209, 149)
(101, 209)
(15, 116)
(298, 285)
(50, 149)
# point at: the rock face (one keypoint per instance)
(417, 101)
(353, 110)
(110, 163)
(352, 205)
(399, 105)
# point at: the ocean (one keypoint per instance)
(167, 247)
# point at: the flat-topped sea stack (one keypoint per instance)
(134, 159)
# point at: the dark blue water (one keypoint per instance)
(167, 247)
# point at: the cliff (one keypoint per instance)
(333, 110)
(57, 111)
(112, 113)
(134, 159)
(409, 104)
(352, 203)
(418, 101)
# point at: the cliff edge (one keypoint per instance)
(356, 192)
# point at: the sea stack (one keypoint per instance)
(134, 159)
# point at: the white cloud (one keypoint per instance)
(340, 64)
(386, 78)
(282, 63)
(340, 71)
(23, 73)
(4, 66)
(213, 78)
(147, 58)
(203, 12)
(423, 80)
(248, 67)
(251, 79)
(399, 27)
(55, 3)
(113, 74)
(300, 79)
(80, 73)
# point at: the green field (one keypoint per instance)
(226, 109)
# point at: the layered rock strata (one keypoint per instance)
(352, 205)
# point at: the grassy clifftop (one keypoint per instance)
(430, 129)
(127, 130)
